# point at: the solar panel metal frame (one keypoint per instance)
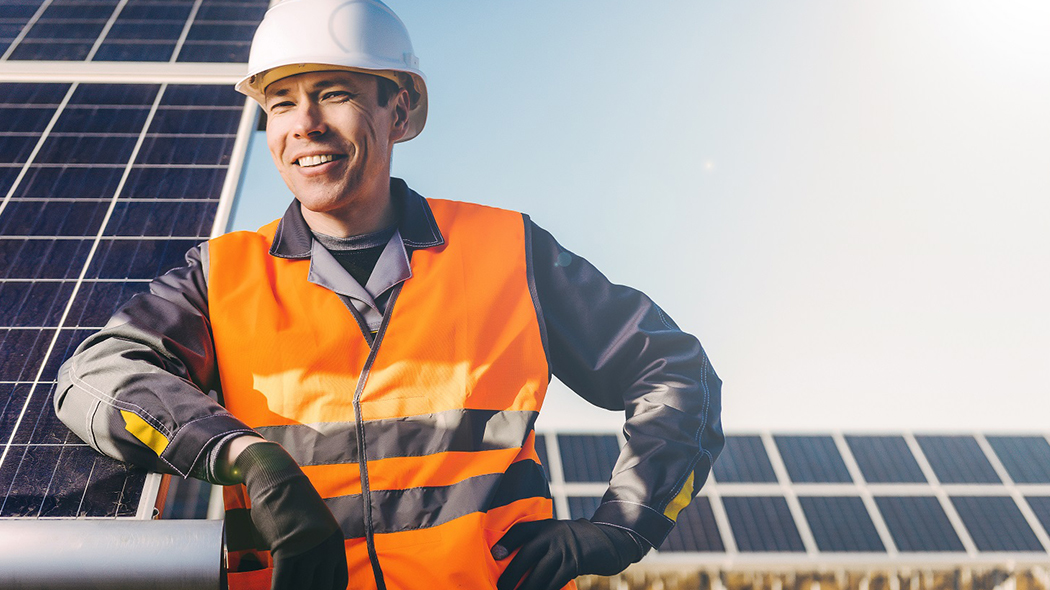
(155, 485)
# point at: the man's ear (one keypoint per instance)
(399, 126)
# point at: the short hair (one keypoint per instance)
(387, 89)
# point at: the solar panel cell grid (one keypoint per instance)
(23, 353)
(1026, 458)
(812, 459)
(918, 524)
(885, 459)
(25, 304)
(175, 218)
(1040, 505)
(957, 459)
(582, 506)
(762, 524)
(744, 460)
(174, 183)
(45, 218)
(695, 530)
(69, 182)
(42, 259)
(841, 524)
(587, 457)
(996, 524)
(96, 302)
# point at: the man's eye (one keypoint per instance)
(336, 95)
(280, 106)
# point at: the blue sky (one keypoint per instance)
(846, 202)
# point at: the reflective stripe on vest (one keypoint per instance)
(442, 410)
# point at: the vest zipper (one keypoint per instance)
(362, 460)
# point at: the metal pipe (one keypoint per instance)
(111, 554)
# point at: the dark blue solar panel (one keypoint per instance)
(12, 398)
(24, 351)
(101, 120)
(588, 457)
(134, 51)
(1041, 507)
(25, 304)
(212, 122)
(918, 524)
(215, 51)
(186, 150)
(221, 32)
(695, 530)
(52, 49)
(177, 218)
(154, 11)
(244, 12)
(174, 183)
(66, 30)
(744, 459)
(138, 259)
(87, 149)
(885, 459)
(47, 231)
(812, 459)
(16, 148)
(957, 459)
(841, 524)
(762, 524)
(1026, 458)
(127, 29)
(19, 10)
(97, 301)
(42, 259)
(86, 10)
(52, 218)
(70, 182)
(29, 119)
(22, 94)
(583, 506)
(541, 452)
(996, 524)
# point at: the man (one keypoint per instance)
(381, 357)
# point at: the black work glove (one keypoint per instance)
(553, 552)
(303, 537)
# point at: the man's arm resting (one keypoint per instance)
(135, 390)
(616, 348)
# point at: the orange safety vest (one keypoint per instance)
(441, 407)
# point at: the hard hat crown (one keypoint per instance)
(298, 36)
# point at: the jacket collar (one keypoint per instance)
(416, 224)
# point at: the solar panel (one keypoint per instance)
(841, 524)
(957, 459)
(1041, 507)
(995, 523)
(695, 530)
(62, 203)
(885, 459)
(588, 457)
(812, 459)
(762, 524)
(918, 524)
(744, 460)
(1026, 458)
(541, 452)
(583, 506)
(135, 30)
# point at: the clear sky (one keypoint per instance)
(847, 202)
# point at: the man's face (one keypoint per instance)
(330, 139)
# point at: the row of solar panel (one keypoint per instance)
(52, 233)
(816, 459)
(842, 524)
(135, 30)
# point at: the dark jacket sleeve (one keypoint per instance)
(136, 390)
(617, 349)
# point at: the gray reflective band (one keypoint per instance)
(462, 430)
(418, 508)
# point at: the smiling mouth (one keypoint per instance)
(311, 161)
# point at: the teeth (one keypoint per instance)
(308, 161)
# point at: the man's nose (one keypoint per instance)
(309, 121)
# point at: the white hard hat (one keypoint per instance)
(299, 36)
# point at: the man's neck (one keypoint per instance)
(359, 217)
